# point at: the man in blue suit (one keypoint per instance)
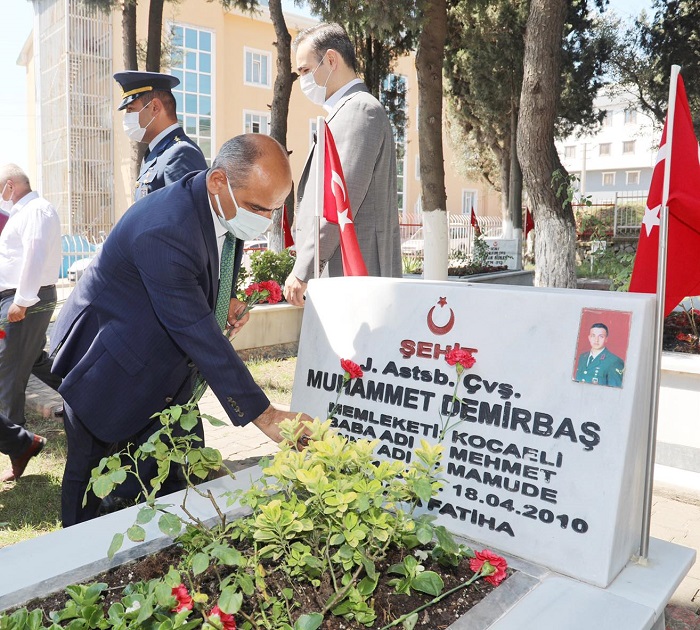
(151, 117)
(140, 325)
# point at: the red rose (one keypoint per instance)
(227, 621)
(461, 356)
(274, 290)
(352, 370)
(184, 601)
(497, 564)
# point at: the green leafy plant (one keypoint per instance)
(566, 187)
(326, 517)
(412, 264)
(269, 265)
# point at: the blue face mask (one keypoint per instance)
(245, 225)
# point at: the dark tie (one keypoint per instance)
(223, 300)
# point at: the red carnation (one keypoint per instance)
(494, 563)
(2, 333)
(184, 601)
(227, 621)
(683, 337)
(460, 356)
(352, 370)
(273, 289)
(252, 288)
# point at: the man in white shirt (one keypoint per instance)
(30, 257)
(325, 60)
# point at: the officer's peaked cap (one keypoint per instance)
(135, 84)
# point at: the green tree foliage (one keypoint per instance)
(647, 49)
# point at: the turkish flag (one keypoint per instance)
(475, 223)
(286, 229)
(529, 222)
(336, 209)
(682, 263)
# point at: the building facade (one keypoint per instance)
(619, 158)
(226, 64)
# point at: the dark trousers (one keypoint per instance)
(22, 354)
(14, 438)
(85, 452)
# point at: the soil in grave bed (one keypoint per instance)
(387, 603)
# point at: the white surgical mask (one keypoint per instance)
(246, 225)
(5, 204)
(313, 91)
(132, 126)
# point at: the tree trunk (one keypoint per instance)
(556, 236)
(515, 186)
(429, 59)
(280, 110)
(155, 35)
(504, 169)
(131, 63)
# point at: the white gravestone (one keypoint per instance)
(539, 465)
(502, 252)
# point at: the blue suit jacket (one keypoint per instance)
(142, 316)
(171, 159)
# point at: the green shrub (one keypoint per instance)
(266, 265)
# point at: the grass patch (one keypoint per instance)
(275, 377)
(32, 506)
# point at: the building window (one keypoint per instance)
(632, 178)
(417, 167)
(257, 68)
(312, 133)
(607, 118)
(570, 151)
(468, 201)
(630, 116)
(604, 148)
(628, 146)
(192, 63)
(256, 122)
(608, 179)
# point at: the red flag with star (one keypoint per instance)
(475, 223)
(682, 264)
(336, 209)
(286, 229)
(529, 222)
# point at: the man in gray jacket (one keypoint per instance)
(325, 60)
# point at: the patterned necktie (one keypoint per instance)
(223, 300)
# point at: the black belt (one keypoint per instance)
(10, 292)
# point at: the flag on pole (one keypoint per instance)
(336, 209)
(529, 222)
(286, 229)
(683, 264)
(475, 223)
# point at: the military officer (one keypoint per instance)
(151, 118)
(599, 366)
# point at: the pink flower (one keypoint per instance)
(227, 621)
(460, 356)
(184, 601)
(491, 565)
(352, 370)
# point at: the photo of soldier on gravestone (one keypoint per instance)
(601, 348)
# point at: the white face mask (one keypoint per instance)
(5, 204)
(246, 225)
(132, 126)
(313, 91)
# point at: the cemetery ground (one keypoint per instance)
(32, 506)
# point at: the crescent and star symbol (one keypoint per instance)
(433, 327)
(343, 218)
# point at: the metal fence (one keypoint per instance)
(620, 217)
(77, 253)
(459, 229)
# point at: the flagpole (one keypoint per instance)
(659, 319)
(320, 180)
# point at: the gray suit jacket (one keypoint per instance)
(365, 143)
